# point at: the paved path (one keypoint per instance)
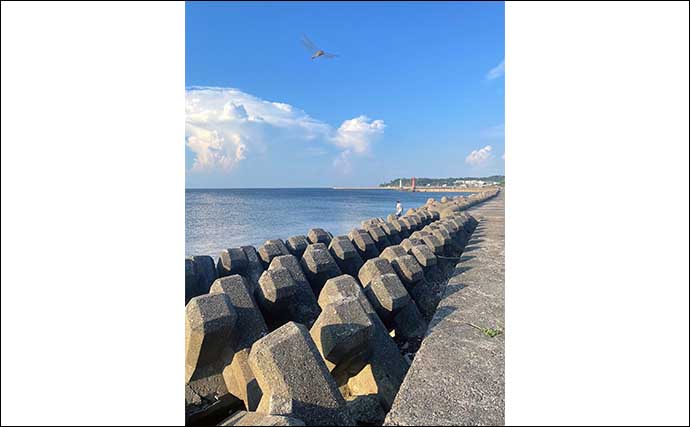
(457, 377)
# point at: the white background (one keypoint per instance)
(596, 215)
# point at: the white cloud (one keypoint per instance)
(479, 157)
(224, 126)
(357, 134)
(497, 71)
(342, 163)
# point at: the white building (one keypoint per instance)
(470, 183)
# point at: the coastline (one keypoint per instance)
(425, 189)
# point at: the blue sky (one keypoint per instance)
(417, 90)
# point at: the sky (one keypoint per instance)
(417, 89)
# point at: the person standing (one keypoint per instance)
(398, 209)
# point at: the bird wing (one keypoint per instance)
(309, 44)
(330, 55)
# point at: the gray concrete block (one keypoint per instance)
(319, 235)
(378, 236)
(447, 244)
(342, 287)
(419, 234)
(303, 309)
(254, 268)
(387, 368)
(391, 233)
(295, 379)
(410, 224)
(241, 381)
(268, 251)
(206, 271)
(409, 323)
(319, 266)
(424, 255)
(250, 324)
(209, 324)
(373, 268)
(277, 290)
(283, 248)
(345, 255)
(401, 227)
(342, 334)
(364, 244)
(388, 296)
(371, 221)
(408, 270)
(296, 245)
(192, 287)
(409, 242)
(425, 296)
(392, 252)
(436, 246)
(231, 261)
(367, 410)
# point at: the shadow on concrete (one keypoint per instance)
(441, 313)
(451, 289)
(459, 269)
(470, 248)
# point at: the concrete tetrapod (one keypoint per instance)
(250, 326)
(209, 324)
(296, 245)
(342, 334)
(319, 235)
(319, 266)
(345, 255)
(303, 309)
(387, 368)
(231, 261)
(363, 243)
(295, 380)
(276, 292)
(254, 268)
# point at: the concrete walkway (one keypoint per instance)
(457, 377)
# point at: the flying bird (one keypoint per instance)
(317, 53)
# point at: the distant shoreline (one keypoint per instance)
(406, 189)
(423, 189)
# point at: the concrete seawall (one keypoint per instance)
(319, 329)
(457, 377)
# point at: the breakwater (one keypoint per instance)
(318, 329)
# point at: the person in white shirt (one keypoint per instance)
(398, 209)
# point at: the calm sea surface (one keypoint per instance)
(219, 219)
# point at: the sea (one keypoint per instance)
(216, 219)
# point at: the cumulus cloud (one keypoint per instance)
(357, 134)
(497, 71)
(479, 157)
(225, 126)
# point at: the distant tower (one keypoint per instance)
(413, 184)
(401, 183)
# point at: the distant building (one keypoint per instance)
(471, 183)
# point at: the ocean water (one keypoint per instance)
(217, 219)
